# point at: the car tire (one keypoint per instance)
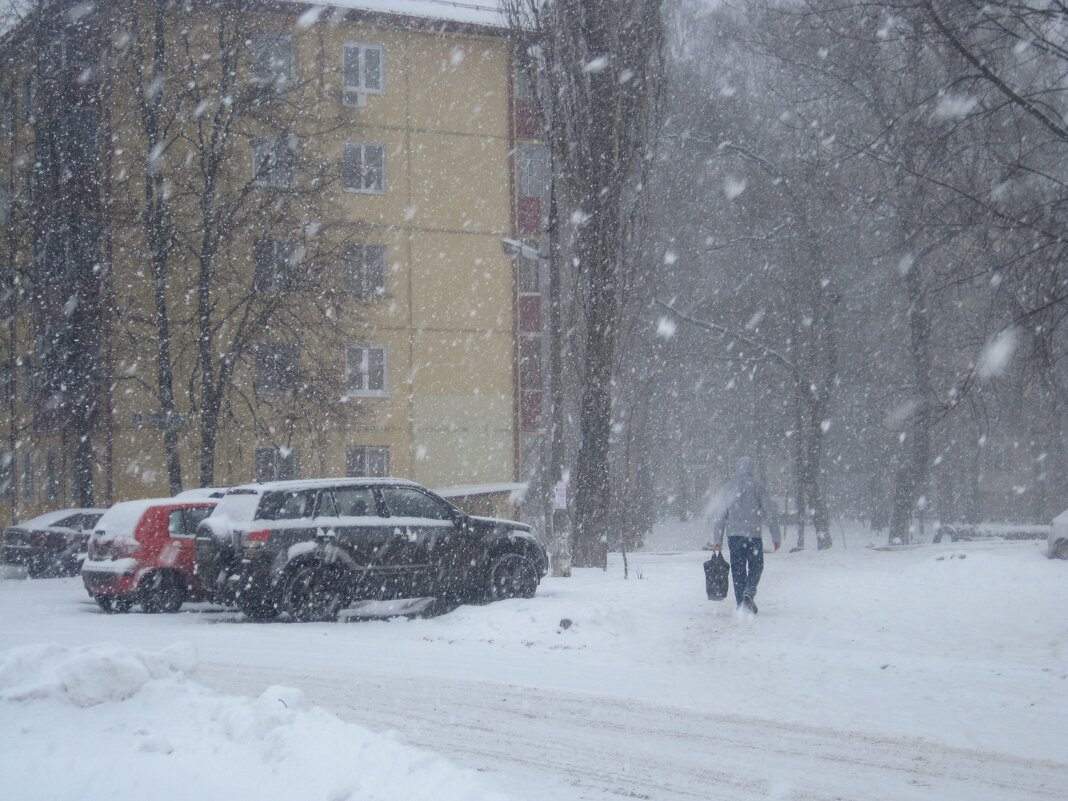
(312, 592)
(1060, 549)
(162, 591)
(511, 575)
(114, 604)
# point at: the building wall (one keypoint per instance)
(446, 316)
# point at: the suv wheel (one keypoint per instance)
(1060, 549)
(163, 591)
(114, 604)
(511, 575)
(312, 592)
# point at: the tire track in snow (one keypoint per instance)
(603, 748)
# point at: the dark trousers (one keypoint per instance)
(747, 563)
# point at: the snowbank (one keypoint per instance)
(110, 722)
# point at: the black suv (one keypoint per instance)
(311, 548)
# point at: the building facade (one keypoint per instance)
(247, 241)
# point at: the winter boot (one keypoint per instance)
(748, 603)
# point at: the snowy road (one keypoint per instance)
(558, 745)
(653, 692)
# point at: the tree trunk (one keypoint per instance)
(592, 479)
(814, 474)
(157, 226)
(798, 445)
(911, 479)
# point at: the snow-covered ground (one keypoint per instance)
(939, 672)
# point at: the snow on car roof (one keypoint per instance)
(49, 518)
(315, 483)
(121, 519)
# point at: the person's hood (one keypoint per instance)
(745, 466)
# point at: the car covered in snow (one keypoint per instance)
(310, 548)
(143, 552)
(52, 544)
(1058, 537)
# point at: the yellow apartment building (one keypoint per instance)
(273, 222)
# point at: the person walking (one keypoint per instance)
(746, 507)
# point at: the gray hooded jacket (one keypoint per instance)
(747, 506)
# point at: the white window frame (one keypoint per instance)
(287, 260)
(365, 452)
(264, 348)
(260, 80)
(364, 369)
(273, 144)
(532, 163)
(356, 95)
(277, 460)
(381, 190)
(353, 286)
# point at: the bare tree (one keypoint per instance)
(235, 176)
(597, 70)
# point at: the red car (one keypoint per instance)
(143, 552)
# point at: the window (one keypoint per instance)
(529, 275)
(365, 269)
(79, 131)
(184, 522)
(361, 67)
(26, 477)
(348, 502)
(365, 370)
(404, 502)
(277, 368)
(524, 87)
(273, 161)
(276, 464)
(292, 505)
(530, 362)
(272, 59)
(532, 163)
(363, 168)
(277, 264)
(367, 460)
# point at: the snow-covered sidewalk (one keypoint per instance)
(939, 672)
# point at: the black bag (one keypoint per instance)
(717, 577)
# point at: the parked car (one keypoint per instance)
(52, 544)
(310, 548)
(144, 552)
(1058, 537)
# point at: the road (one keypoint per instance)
(650, 692)
(566, 745)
